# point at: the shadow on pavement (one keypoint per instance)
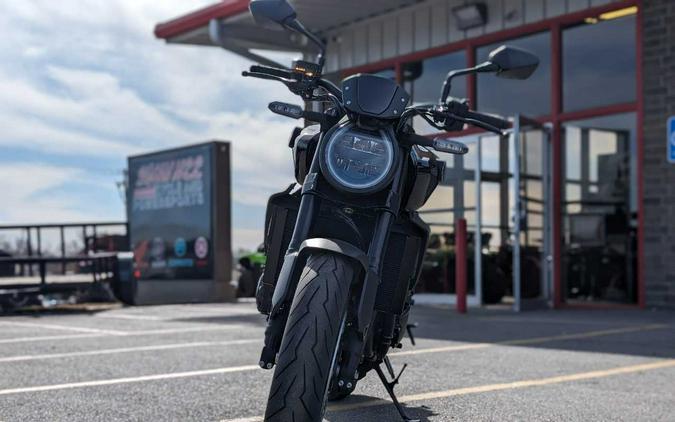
(373, 409)
(630, 332)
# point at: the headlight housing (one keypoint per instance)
(356, 160)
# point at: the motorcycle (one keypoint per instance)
(345, 244)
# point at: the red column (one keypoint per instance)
(556, 109)
(460, 264)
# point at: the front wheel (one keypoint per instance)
(311, 339)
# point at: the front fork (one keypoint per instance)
(276, 322)
(285, 289)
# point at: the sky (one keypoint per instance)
(84, 84)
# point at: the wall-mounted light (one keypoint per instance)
(470, 15)
(615, 14)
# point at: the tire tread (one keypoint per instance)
(297, 389)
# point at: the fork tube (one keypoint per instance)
(378, 246)
(303, 222)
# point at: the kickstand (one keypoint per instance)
(389, 386)
(409, 329)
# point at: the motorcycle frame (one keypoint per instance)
(369, 261)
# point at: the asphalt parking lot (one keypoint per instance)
(198, 362)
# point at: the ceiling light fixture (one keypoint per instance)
(470, 16)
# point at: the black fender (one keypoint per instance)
(294, 261)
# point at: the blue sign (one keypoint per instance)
(180, 247)
(671, 139)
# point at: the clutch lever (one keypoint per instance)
(266, 76)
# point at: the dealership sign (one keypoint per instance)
(170, 213)
(671, 139)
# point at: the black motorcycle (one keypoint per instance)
(345, 244)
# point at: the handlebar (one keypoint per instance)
(297, 82)
(330, 87)
(273, 71)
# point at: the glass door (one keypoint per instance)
(453, 199)
(532, 215)
(501, 177)
(599, 241)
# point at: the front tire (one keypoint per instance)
(308, 349)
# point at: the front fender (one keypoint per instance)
(294, 261)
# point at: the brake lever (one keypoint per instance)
(479, 124)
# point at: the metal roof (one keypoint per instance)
(229, 25)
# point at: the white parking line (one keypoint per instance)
(534, 340)
(588, 334)
(47, 338)
(128, 350)
(227, 310)
(130, 316)
(181, 313)
(187, 330)
(127, 333)
(579, 376)
(63, 328)
(115, 381)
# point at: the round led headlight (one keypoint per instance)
(358, 161)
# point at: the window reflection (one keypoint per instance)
(600, 209)
(507, 96)
(457, 198)
(599, 64)
(423, 80)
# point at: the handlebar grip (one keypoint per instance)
(281, 73)
(495, 121)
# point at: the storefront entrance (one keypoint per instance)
(502, 188)
(599, 239)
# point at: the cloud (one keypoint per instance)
(28, 199)
(84, 83)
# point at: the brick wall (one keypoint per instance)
(658, 84)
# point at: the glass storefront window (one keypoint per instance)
(506, 96)
(600, 209)
(491, 151)
(599, 64)
(423, 80)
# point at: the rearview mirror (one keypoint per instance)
(513, 62)
(275, 11)
(506, 62)
(282, 13)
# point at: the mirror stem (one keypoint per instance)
(483, 67)
(297, 26)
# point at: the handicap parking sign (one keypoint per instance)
(671, 139)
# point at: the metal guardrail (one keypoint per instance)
(95, 268)
(90, 232)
